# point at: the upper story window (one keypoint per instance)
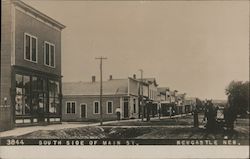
(30, 47)
(49, 54)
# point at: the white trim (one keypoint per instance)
(24, 49)
(44, 54)
(121, 107)
(108, 105)
(51, 119)
(13, 35)
(128, 86)
(26, 120)
(18, 121)
(98, 107)
(81, 110)
(37, 18)
(70, 107)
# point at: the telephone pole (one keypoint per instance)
(101, 58)
(142, 104)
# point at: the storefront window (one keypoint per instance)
(51, 88)
(57, 104)
(36, 95)
(19, 104)
(26, 85)
(52, 106)
(34, 102)
(53, 96)
(34, 83)
(57, 89)
(22, 95)
(19, 81)
(26, 100)
(40, 84)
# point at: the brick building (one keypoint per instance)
(30, 66)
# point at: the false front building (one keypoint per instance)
(30, 66)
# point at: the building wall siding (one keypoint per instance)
(133, 87)
(43, 33)
(5, 112)
(88, 100)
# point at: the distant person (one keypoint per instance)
(211, 114)
(196, 120)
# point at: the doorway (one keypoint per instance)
(83, 111)
(125, 108)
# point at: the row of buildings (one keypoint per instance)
(31, 85)
(134, 98)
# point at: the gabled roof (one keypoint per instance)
(37, 13)
(111, 87)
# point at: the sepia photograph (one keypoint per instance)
(128, 76)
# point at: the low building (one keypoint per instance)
(164, 101)
(190, 104)
(180, 106)
(167, 101)
(30, 66)
(81, 100)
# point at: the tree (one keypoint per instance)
(238, 97)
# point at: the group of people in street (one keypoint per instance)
(210, 116)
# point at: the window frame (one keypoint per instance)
(24, 52)
(66, 112)
(99, 107)
(112, 107)
(44, 54)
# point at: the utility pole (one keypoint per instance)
(142, 104)
(101, 58)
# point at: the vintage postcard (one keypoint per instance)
(169, 75)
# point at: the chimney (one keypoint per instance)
(110, 77)
(134, 76)
(93, 78)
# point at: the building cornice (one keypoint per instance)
(38, 14)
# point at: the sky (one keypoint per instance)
(194, 47)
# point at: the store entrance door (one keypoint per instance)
(38, 106)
